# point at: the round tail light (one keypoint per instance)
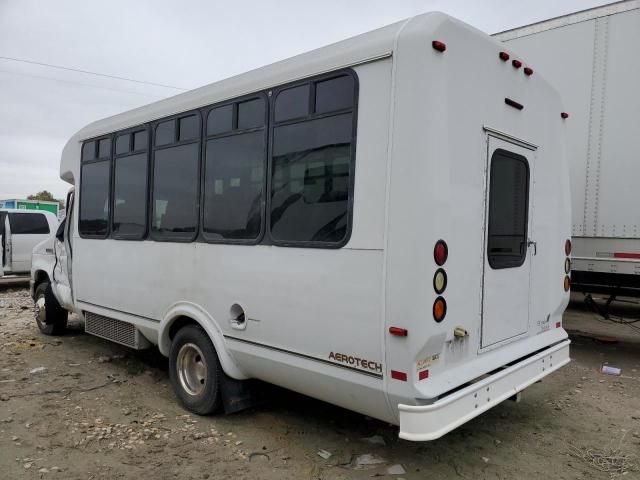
(567, 247)
(567, 284)
(440, 252)
(440, 281)
(439, 309)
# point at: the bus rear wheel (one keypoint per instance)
(195, 371)
(50, 316)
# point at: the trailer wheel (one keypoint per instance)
(50, 316)
(195, 371)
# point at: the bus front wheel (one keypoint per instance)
(195, 371)
(50, 316)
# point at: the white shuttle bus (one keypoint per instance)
(382, 224)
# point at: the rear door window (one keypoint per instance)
(508, 210)
(28, 223)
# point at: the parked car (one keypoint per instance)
(20, 232)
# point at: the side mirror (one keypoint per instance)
(60, 231)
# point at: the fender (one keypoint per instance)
(206, 321)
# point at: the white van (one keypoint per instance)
(20, 231)
(382, 224)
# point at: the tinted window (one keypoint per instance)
(188, 128)
(122, 144)
(220, 120)
(292, 103)
(508, 207)
(175, 191)
(165, 133)
(234, 178)
(94, 199)
(130, 196)
(104, 148)
(251, 114)
(140, 140)
(310, 180)
(334, 94)
(89, 151)
(28, 223)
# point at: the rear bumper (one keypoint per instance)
(428, 422)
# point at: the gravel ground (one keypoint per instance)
(78, 407)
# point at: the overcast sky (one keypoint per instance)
(167, 46)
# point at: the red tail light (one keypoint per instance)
(440, 252)
(438, 45)
(567, 247)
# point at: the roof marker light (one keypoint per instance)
(564, 115)
(504, 56)
(438, 45)
(516, 63)
(528, 71)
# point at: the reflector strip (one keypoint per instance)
(513, 103)
(423, 374)
(398, 375)
(558, 324)
(399, 332)
(626, 255)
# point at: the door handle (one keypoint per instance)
(534, 244)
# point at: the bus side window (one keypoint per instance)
(94, 188)
(234, 177)
(130, 186)
(175, 179)
(312, 168)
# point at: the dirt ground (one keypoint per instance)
(97, 410)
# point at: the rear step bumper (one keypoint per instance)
(428, 422)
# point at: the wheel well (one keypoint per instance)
(40, 276)
(178, 323)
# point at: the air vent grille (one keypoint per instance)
(114, 330)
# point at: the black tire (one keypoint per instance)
(50, 316)
(197, 389)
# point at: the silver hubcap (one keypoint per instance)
(192, 369)
(41, 312)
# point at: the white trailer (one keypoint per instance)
(591, 57)
(382, 224)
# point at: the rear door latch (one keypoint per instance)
(531, 243)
